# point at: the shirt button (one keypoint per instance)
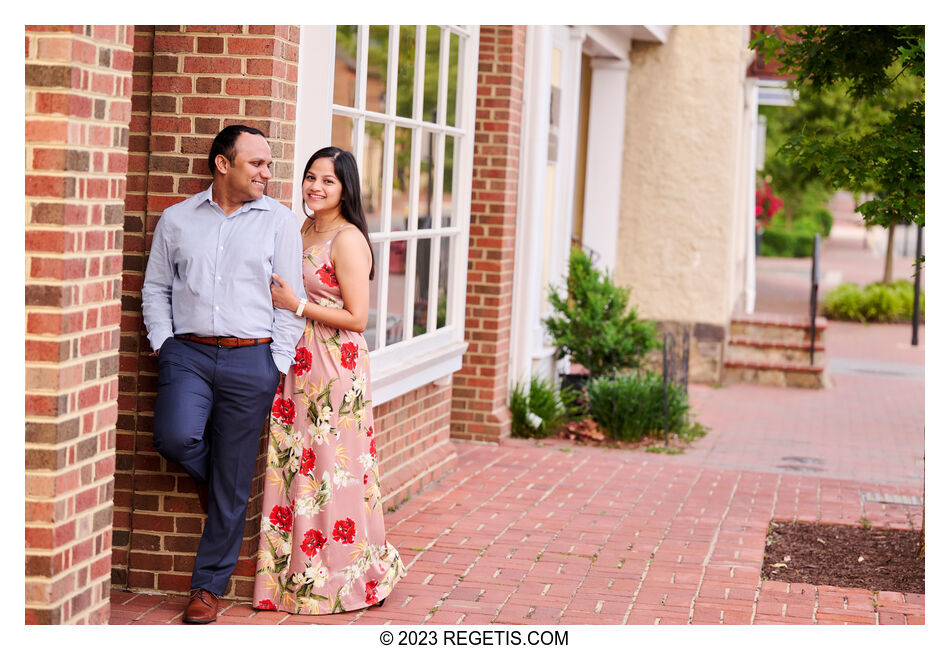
(219, 278)
(217, 308)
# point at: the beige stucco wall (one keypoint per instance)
(683, 224)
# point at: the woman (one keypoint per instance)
(322, 545)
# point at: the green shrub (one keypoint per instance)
(629, 407)
(875, 303)
(538, 410)
(592, 324)
(779, 242)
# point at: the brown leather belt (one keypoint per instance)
(223, 341)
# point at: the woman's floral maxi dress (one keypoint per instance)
(323, 545)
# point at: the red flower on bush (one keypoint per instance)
(344, 530)
(302, 361)
(282, 518)
(371, 597)
(313, 541)
(349, 353)
(307, 461)
(766, 205)
(327, 275)
(372, 447)
(284, 410)
(266, 604)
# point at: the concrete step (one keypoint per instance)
(777, 327)
(790, 375)
(781, 352)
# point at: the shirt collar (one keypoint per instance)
(256, 204)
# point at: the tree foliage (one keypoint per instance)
(859, 123)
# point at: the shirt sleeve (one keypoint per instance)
(157, 290)
(288, 255)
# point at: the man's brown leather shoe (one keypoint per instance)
(202, 608)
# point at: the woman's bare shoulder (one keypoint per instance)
(349, 243)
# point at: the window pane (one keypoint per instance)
(420, 312)
(370, 333)
(376, 68)
(402, 174)
(426, 180)
(444, 248)
(397, 290)
(371, 175)
(341, 133)
(406, 70)
(450, 106)
(344, 72)
(431, 87)
(448, 169)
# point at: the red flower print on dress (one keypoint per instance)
(344, 530)
(266, 604)
(349, 353)
(365, 479)
(282, 518)
(307, 461)
(371, 596)
(313, 541)
(284, 410)
(372, 447)
(369, 432)
(302, 361)
(327, 276)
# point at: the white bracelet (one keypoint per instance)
(300, 306)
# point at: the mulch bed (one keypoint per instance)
(844, 556)
(586, 432)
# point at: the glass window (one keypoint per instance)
(401, 98)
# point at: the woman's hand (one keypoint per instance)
(282, 295)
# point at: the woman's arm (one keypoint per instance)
(351, 263)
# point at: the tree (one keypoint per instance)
(592, 323)
(880, 70)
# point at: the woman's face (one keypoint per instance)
(322, 190)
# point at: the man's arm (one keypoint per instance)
(288, 254)
(157, 290)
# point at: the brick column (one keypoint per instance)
(190, 82)
(78, 85)
(480, 388)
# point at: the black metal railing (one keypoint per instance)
(814, 294)
(671, 375)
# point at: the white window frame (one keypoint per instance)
(434, 355)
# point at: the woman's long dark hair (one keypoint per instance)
(351, 203)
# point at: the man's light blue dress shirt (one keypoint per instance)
(209, 273)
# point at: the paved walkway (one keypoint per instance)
(557, 533)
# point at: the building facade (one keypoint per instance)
(485, 152)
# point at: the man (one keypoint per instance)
(222, 347)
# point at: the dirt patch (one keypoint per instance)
(844, 556)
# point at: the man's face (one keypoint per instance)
(246, 178)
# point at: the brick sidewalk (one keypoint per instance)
(528, 533)
(552, 532)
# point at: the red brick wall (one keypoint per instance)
(190, 82)
(414, 449)
(78, 85)
(480, 388)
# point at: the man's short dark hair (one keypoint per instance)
(223, 144)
